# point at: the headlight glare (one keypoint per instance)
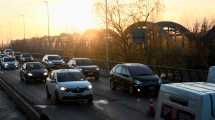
(90, 86)
(30, 74)
(97, 69)
(62, 88)
(45, 73)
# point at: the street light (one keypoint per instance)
(48, 17)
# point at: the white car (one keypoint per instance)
(68, 85)
(9, 63)
(52, 60)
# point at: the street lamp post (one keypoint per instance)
(48, 19)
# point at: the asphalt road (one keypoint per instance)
(107, 104)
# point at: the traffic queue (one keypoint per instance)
(69, 81)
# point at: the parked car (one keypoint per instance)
(33, 71)
(52, 60)
(186, 101)
(17, 55)
(68, 85)
(88, 67)
(9, 63)
(26, 57)
(134, 77)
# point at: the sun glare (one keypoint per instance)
(73, 14)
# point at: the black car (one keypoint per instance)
(87, 66)
(134, 77)
(26, 57)
(17, 55)
(33, 71)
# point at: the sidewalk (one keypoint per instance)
(8, 110)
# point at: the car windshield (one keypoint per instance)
(33, 66)
(9, 59)
(69, 76)
(26, 55)
(84, 62)
(140, 70)
(54, 58)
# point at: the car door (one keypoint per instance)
(118, 75)
(126, 78)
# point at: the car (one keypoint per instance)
(186, 101)
(68, 85)
(87, 66)
(53, 60)
(2, 55)
(135, 77)
(17, 55)
(9, 63)
(26, 57)
(33, 71)
(8, 52)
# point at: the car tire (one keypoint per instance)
(113, 85)
(90, 101)
(48, 95)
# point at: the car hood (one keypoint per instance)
(74, 84)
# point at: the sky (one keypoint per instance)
(77, 15)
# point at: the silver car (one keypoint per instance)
(68, 85)
(9, 63)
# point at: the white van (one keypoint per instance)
(186, 101)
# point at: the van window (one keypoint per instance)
(170, 113)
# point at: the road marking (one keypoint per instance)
(41, 106)
(98, 104)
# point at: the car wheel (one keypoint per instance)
(113, 85)
(48, 95)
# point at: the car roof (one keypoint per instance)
(66, 70)
(198, 88)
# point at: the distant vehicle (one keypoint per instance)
(33, 71)
(17, 55)
(2, 55)
(8, 52)
(9, 63)
(88, 67)
(134, 77)
(68, 85)
(186, 101)
(26, 57)
(52, 60)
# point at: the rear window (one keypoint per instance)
(54, 57)
(170, 113)
(140, 70)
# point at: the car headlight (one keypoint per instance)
(6, 64)
(62, 88)
(30, 74)
(49, 62)
(45, 73)
(90, 86)
(137, 82)
(97, 69)
(62, 62)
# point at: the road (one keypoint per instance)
(107, 104)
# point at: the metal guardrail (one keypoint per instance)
(22, 102)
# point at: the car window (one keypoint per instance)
(54, 58)
(84, 62)
(140, 70)
(69, 76)
(118, 69)
(9, 59)
(124, 71)
(33, 66)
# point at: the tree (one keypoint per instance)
(121, 15)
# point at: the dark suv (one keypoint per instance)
(87, 66)
(134, 77)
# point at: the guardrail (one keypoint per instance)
(22, 102)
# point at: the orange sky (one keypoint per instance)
(77, 15)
